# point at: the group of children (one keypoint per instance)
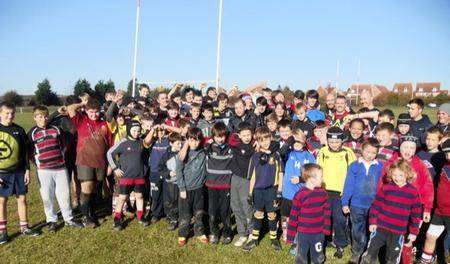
(319, 176)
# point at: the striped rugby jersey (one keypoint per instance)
(47, 147)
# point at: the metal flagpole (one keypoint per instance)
(138, 9)
(337, 77)
(357, 81)
(219, 36)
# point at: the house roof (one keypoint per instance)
(427, 87)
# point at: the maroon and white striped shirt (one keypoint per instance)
(47, 147)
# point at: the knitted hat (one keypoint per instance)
(335, 133)
(445, 108)
(404, 119)
(409, 138)
(130, 124)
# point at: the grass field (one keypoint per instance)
(134, 244)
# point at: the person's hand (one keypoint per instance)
(84, 99)
(119, 173)
(426, 217)
(183, 195)
(346, 209)
(295, 180)
(26, 177)
(278, 199)
(173, 174)
(250, 199)
(411, 239)
(62, 110)
(372, 228)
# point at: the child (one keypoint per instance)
(272, 124)
(356, 138)
(388, 150)
(265, 188)
(171, 123)
(47, 146)
(131, 170)
(205, 124)
(298, 157)
(194, 114)
(403, 126)
(312, 103)
(432, 157)
(318, 139)
(262, 110)
(441, 219)
(301, 121)
(158, 149)
(218, 180)
(386, 116)
(360, 188)
(167, 169)
(284, 145)
(242, 153)
(222, 112)
(396, 209)
(335, 160)
(309, 220)
(190, 173)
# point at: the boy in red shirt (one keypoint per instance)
(94, 140)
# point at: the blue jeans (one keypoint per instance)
(339, 222)
(358, 217)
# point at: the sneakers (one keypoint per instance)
(240, 242)
(172, 226)
(154, 219)
(339, 253)
(73, 223)
(276, 244)
(213, 239)
(181, 241)
(3, 238)
(226, 240)
(88, 222)
(52, 227)
(251, 244)
(30, 232)
(117, 225)
(143, 222)
(203, 239)
(293, 250)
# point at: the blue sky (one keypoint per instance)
(287, 42)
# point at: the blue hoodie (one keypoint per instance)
(294, 164)
(158, 149)
(361, 185)
(314, 115)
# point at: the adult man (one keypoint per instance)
(340, 112)
(419, 123)
(443, 116)
(330, 101)
(14, 170)
(94, 140)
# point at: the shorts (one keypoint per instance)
(285, 208)
(128, 185)
(85, 173)
(438, 225)
(265, 199)
(13, 184)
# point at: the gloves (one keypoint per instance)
(250, 199)
(279, 199)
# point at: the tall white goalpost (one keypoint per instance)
(136, 33)
(219, 39)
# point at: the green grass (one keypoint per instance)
(134, 244)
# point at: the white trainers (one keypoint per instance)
(240, 242)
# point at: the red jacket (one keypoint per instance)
(443, 198)
(422, 182)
